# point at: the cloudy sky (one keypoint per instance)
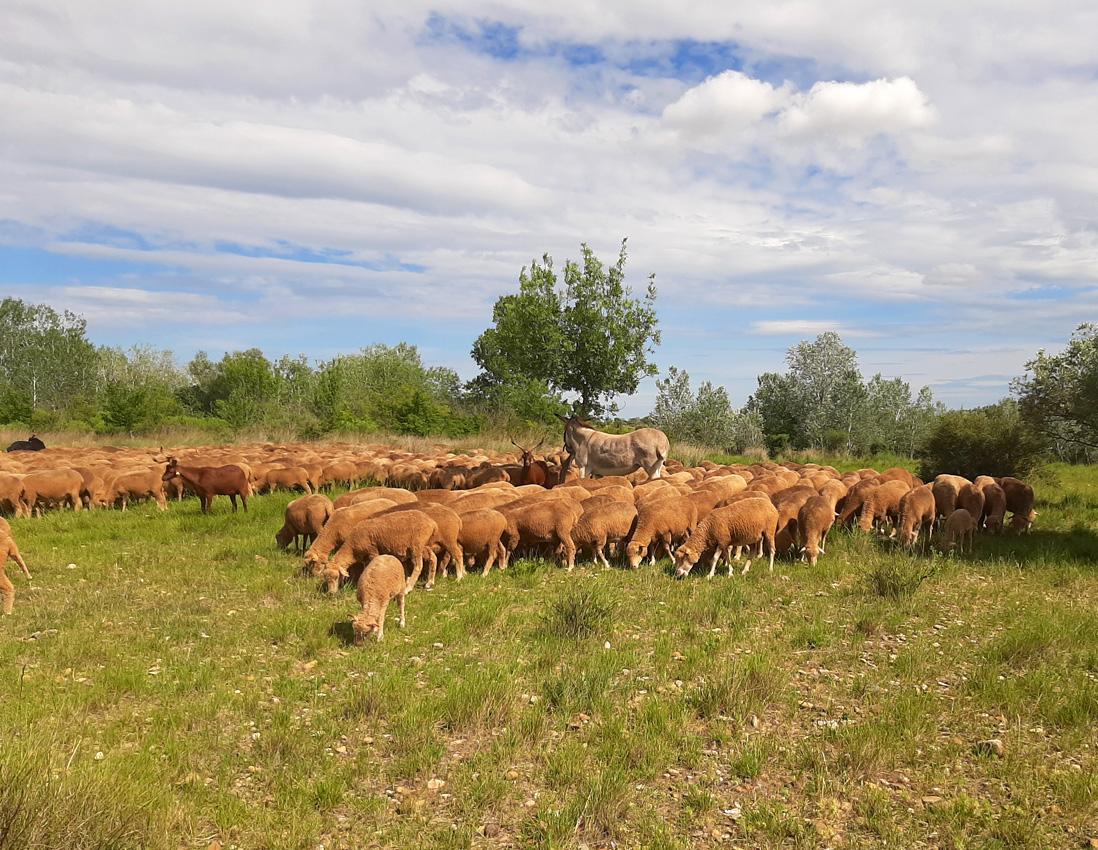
(311, 177)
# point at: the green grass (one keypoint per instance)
(182, 685)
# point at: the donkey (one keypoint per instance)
(597, 453)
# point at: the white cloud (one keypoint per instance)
(855, 110)
(806, 327)
(727, 102)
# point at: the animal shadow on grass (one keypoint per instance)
(1078, 543)
(343, 631)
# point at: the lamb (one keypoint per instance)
(548, 522)
(917, 512)
(304, 518)
(8, 549)
(610, 523)
(481, 535)
(407, 535)
(883, 504)
(745, 523)
(379, 584)
(660, 522)
(958, 526)
(814, 521)
(336, 530)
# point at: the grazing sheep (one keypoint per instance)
(917, 512)
(814, 521)
(339, 472)
(548, 522)
(13, 495)
(381, 581)
(852, 504)
(945, 489)
(397, 495)
(959, 526)
(482, 536)
(337, 528)
(406, 535)
(610, 523)
(447, 541)
(971, 498)
(747, 523)
(288, 478)
(304, 518)
(8, 549)
(995, 505)
(883, 504)
(1019, 501)
(662, 522)
(59, 486)
(482, 499)
(898, 473)
(131, 486)
(92, 491)
(789, 503)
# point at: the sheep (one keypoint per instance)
(92, 491)
(610, 523)
(13, 495)
(336, 530)
(304, 518)
(995, 505)
(898, 473)
(446, 540)
(883, 504)
(971, 498)
(945, 489)
(854, 501)
(745, 523)
(380, 582)
(398, 495)
(958, 526)
(917, 512)
(53, 485)
(1019, 501)
(789, 503)
(139, 484)
(9, 549)
(339, 472)
(286, 478)
(660, 523)
(481, 500)
(548, 522)
(481, 535)
(814, 521)
(407, 535)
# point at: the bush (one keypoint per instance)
(986, 441)
(897, 578)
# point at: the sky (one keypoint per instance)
(314, 177)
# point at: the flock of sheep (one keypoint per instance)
(479, 510)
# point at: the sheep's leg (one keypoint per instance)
(714, 558)
(7, 592)
(432, 568)
(569, 551)
(13, 553)
(458, 558)
(770, 542)
(417, 568)
(401, 610)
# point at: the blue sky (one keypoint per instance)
(921, 180)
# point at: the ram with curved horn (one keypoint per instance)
(596, 453)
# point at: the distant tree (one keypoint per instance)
(777, 402)
(707, 418)
(139, 388)
(1058, 396)
(674, 403)
(590, 336)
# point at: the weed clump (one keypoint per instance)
(580, 612)
(897, 578)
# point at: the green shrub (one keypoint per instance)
(897, 578)
(989, 440)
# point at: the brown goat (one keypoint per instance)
(210, 481)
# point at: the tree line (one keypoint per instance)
(573, 341)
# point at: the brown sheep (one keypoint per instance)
(482, 499)
(8, 549)
(852, 504)
(662, 522)
(789, 503)
(945, 489)
(13, 498)
(397, 495)
(339, 472)
(959, 526)
(447, 540)
(381, 582)
(304, 519)
(55, 485)
(1019, 501)
(917, 513)
(288, 478)
(92, 491)
(481, 535)
(747, 523)
(995, 505)
(611, 523)
(898, 473)
(406, 535)
(130, 486)
(814, 521)
(549, 522)
(339, 525)
(971, 498)
(883, 504)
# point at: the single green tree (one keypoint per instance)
(1058, 395)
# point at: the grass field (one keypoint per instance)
(168, 680)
